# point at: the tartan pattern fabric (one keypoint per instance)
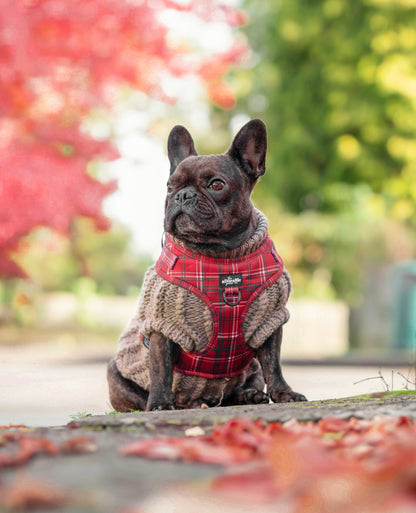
(228, 286)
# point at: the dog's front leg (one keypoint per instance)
(269, 357)
(161, 373)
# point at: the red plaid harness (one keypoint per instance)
(228, 286)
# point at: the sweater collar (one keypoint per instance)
(250, 245)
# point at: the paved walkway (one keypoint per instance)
(46, 385)
(105, 481)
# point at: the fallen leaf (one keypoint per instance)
(28, 493)
(18, 448)
(79, 445)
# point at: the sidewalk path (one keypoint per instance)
(46, 385)
(105, 481)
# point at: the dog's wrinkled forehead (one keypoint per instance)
(197, 169)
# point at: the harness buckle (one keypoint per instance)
(232, 300)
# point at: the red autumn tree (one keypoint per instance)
(60, 60)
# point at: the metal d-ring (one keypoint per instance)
(226, 300)
(163, 239)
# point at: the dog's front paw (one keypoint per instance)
(286, 396)
(158, 404)
(161, 407)
(253, 396)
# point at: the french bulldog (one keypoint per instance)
(208, 329)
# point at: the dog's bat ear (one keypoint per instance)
(180, 146)
(249, 147)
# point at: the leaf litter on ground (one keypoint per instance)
(332, 465)
(25, 493)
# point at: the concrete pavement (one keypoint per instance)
(103, 480)
(45, 385)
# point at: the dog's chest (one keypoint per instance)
(227, 286)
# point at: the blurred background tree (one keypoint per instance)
(69, 70)
(335, 82)
(56, 262)
(64, 63)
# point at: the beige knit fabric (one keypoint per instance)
(184, 318)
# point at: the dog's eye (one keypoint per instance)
(216, 185)
(169, 188)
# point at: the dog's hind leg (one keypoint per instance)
(125, 395)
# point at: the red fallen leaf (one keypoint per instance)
(28, 493)
(79, 445)
(251, 486)
(30, 446)
(187, 450)
(333, 425)
(165, 449)
(11, 436)
(7, 460)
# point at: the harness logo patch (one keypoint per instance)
(231, 280)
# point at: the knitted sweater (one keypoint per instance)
(183, 317)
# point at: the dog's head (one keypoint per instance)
(208, 205)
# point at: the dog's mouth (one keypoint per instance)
(186, 218)
(188, 228)
(200, 236)
(186, 224)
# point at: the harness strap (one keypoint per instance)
(228, 286)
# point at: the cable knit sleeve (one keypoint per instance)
(267, 312)
(164, 308)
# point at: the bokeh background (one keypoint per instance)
(89, 91)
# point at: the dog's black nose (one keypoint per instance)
(188, 193)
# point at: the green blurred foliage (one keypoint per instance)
(335, 82)
(327, 254)
(88, 262)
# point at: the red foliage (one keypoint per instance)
(59, 60)
(333, 465)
